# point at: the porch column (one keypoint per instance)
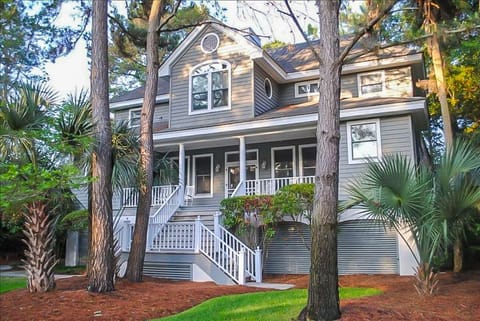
(243, 165)
(181, 171)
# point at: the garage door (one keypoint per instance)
(363, 247)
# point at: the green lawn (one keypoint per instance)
(12, 283)
(265, 306)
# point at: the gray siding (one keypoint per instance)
(396, 136)
(241, 84)
(160, 115)
(262, 102)
(349, 86)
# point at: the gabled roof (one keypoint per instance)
(163, 88)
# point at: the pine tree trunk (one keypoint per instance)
(137, 252)
(458, 255)
(437, 63)
(101, 269)
(323, 299)
(39, 256)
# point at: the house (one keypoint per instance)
(241, 120)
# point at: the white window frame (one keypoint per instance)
(247, 163)
(300, 156)
(359, 83)
(294, 159)
(205, 37)
(349, 125)
(130, 112)
(210, 108)
(187, 161)
(204, 195)
(306, 83)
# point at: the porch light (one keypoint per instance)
(217, 168)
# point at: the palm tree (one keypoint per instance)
(24, 141)
(435, 205)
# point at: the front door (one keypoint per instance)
(232, 169)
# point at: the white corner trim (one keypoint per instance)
(137, 102)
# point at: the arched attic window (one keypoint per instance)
(210, 87)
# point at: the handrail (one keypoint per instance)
(168, 208)
(221, 254)
(238, 246)
(237, 189)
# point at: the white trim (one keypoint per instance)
(187, 158)
(308, 84)
(210, 108)
(130, 112)
(294, 160)
(137, 102)
(265, 124)
(374, 94)
(376, 121)
(267, 80)
(209, 195)
(300, 156)
(203, 39)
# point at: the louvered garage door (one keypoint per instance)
(289, 250)
(363, 247)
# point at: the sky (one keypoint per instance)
(71, 73)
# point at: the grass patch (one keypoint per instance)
(62, 269)
(265, 306)
(12, 283)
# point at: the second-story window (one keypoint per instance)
(134, 117)
(306, 88)
(371, 84)
(210, 83)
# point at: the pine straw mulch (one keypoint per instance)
(458, 299)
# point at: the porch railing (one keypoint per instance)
(159, 195)
(269, 186)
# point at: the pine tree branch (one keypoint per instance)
(121, 26)
(173, 14)
(366, 29)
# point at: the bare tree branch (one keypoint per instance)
(213, 22)
(295, 20)
(366, 29)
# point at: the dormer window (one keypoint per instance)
(209, 87)
(371, 84)
(306, 88)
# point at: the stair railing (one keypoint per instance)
(231, 262)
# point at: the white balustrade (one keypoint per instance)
(269, 186)
(171, 203)
(159, 195)
(172, 236)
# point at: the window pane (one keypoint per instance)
(371, 83)
(314, 88)
(252, 155)
(203, 175)
(283, 163)
(309, 155)
(219, 98)
(364, 150)
(199, 83)
(364, 132)
(219, 80)
(233, 157)
(200, 101)
(302, 90)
